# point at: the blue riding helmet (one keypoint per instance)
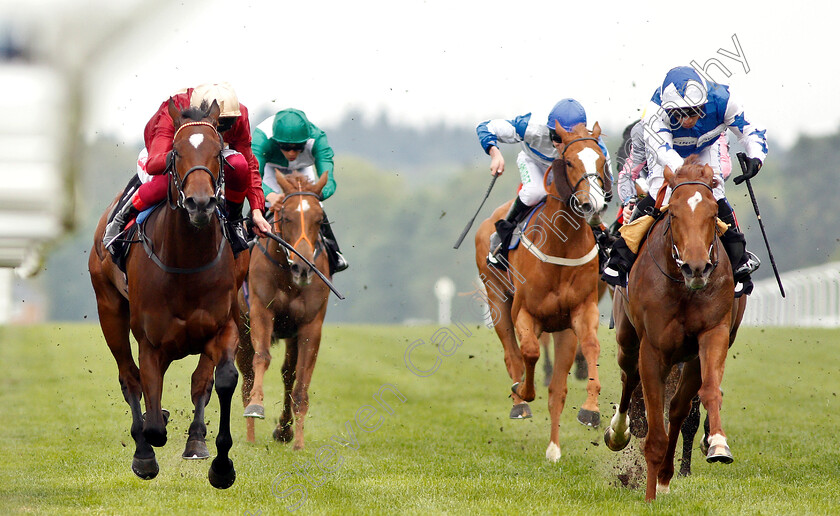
(683, 88)
(568, 112)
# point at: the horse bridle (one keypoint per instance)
(317, 247)
(585, 177)
(218, 183)
(675, 253)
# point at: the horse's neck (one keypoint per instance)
(564, 228)
(177, 239)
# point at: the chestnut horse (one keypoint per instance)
(678, 307)
(286, 303)
(558, 295)
(179, 299)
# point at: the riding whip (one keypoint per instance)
(470, 223)
(310, 264)
(742, 158)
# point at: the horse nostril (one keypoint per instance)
(708, 269)
(190, 204)
(686, 270)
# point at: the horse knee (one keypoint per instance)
(262, 358)
(226, 378)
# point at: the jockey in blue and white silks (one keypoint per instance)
(540, 146)
(686, 116)
(669, 138)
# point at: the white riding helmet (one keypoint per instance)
(222, 93)
(683, 88)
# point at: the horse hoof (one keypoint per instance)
(256, 411)
(719, 453)
(520, 411)
(284, 434)
(221, 477)
(146, 469)
(613, 442)
(589, 418)
(196, 449)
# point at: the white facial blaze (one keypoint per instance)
(304, 205)
(694, 200)
(589, 158)
(196, 140)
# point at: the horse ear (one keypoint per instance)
(596, 131)
(322, 182)
(214, 112)
(670, 177)
(174, 112)
(285, 185)
(564, 134)
(708, 173)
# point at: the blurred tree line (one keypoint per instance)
(404, 195)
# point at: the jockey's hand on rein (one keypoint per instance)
(753, 165)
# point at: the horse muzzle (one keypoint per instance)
(696, 276)
(200, 210)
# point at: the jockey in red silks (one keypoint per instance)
(242, 178)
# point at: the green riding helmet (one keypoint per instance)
(290, 126)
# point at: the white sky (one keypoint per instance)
(464, 62)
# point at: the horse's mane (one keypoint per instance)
(301, 180)
(692, 170)
(196, 114)
(580, 130)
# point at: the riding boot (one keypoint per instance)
(337, 261)
(117, 225)
(236, 233)
(621, 258)
(743, 262)
(504, 231)
(604, 240)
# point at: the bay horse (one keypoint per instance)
(678, 307)
(179, 299)
(535, 296)
(285, 303)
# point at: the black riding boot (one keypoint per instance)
(621, 259)
(604, 239)
(744, 263)
(337, 261)
(117, 225)
(237, 235)
(500, 240)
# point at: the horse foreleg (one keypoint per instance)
(585, 324)
(284, 431)
(565, 344)
(308, 342)
(713, 346)
(686, 388)
(261, 328)
(527, 330)
(222, 474)
(653, 374)
(202, 388)
(152, 368)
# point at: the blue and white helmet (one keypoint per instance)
(568, 112)
(683, 88)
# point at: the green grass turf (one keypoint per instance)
(450, 448)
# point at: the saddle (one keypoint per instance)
(129, 236)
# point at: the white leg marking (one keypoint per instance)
(662, 489)
(716, 440)
(552, 453)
